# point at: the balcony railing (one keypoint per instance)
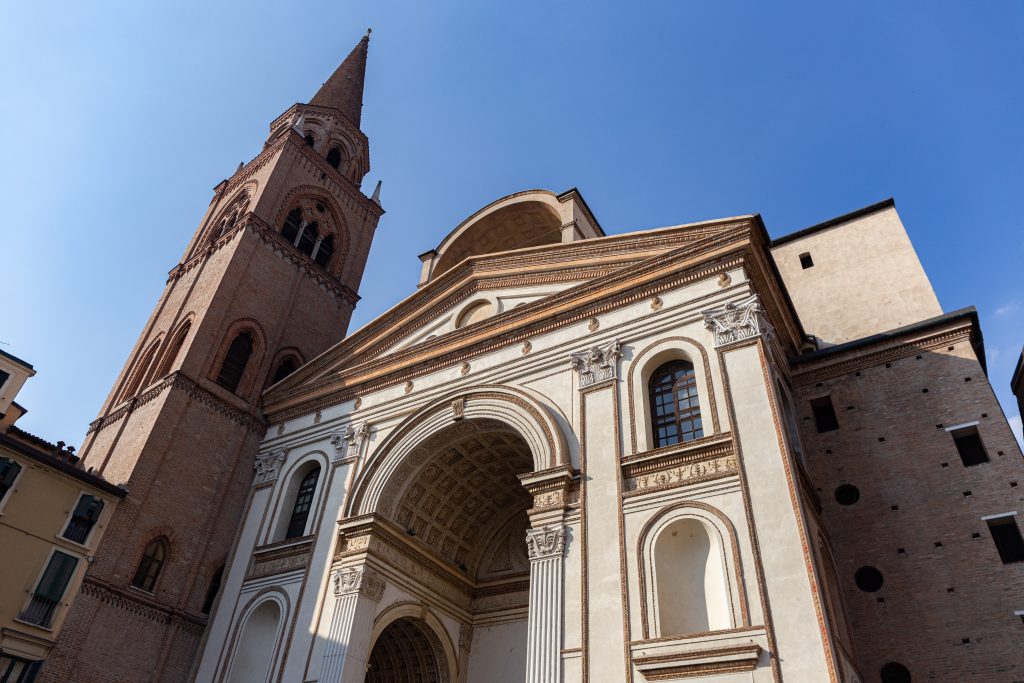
(40, 611)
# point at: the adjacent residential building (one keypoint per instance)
(52, 517)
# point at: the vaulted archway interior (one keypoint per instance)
(458, 497)
(407, 650)
(458, 494)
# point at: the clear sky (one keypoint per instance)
(120, 117)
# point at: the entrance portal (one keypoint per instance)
(407, 651)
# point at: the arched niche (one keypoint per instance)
(256, 641)
(690, 576)
(644, 364)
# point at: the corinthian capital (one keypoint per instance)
(737, 320)
(547, 541)
(358, 580)
(597, 364)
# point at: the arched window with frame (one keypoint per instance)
(674, 404)
(232, 368)
(303, 503)
(172, 353)
(152, 562)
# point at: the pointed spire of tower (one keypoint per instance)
(344, 89)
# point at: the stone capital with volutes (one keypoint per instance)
(737, 321)
(348, 442)
(597, 364)
(268, 466)
(358, 580)
(547, 541)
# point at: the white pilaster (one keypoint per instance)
(356, 591)
(544, 626)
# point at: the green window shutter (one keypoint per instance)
(57, 576)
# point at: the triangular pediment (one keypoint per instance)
(539, 284)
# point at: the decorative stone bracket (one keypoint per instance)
(737, 320)
(268, 466)
(597, 364)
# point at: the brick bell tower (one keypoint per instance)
(268, 282)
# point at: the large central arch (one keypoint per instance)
(440, 515)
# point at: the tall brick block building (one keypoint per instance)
(248, 303)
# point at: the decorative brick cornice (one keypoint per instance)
(178, 381)
(142, 606)
(829, 368)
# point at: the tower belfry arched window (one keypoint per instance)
(334, 157)
(233, 366)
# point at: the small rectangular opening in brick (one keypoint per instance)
(969, 445)
(824, 414)
(1006, 536)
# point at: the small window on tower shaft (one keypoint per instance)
(969, 445)
(824, 414)
(805, 260)
(1007, 538)
(309, 140)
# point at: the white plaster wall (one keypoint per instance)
(498, 654)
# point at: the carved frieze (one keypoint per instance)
(547, 541)
(681, 474)
(279, 561)
(268, 466)
(737, 320)
(597, 364)
(358, 580)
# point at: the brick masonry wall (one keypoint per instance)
(186, 455)
(946, 613)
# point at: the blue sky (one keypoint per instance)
(120, 117)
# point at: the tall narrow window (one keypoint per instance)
(172, 353)
(334, 157)
(211, 592)
(675, 408)
(292, 225)
(303, 501)
(1007, 538)
(17, 670)
(150, 565)
(824, 414)
(324, 251)
(84, 518)
(969, 445)
(233, 367)
(50, 590)
(4, 376)
(8, 473)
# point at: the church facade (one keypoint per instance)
(687, 452)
